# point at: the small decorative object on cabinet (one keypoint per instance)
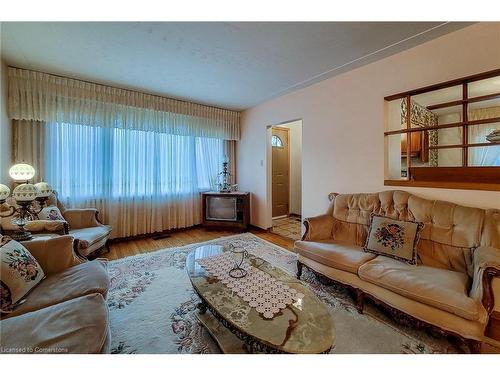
(224, 176)
(226, 210)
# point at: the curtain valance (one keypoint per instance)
(45, 97)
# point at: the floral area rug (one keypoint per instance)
(153, 306)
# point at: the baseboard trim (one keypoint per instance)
(165, 234)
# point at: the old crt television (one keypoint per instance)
(225, 209)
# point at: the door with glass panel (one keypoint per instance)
(280, 171)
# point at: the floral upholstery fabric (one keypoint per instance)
(393, 238)
(19, 273)
(50, 213)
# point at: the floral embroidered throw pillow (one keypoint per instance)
(393, 238)
(19, 273)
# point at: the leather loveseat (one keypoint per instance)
(67, 311)
(449, 290)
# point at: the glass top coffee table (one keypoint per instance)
(305, 326)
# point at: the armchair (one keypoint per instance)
(91, 236)
(84, 225)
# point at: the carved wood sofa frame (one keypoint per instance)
(96, 253)
(401, 317)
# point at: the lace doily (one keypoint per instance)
(259, 289)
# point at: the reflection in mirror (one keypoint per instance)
(484, 133)
(449, 136)
(432, 99)
(484, 156)
(458, 126)
(448, 115)
(486, 109)
(396, 120)
(419, 149)
(450, 157)
(484, 87)
(394, 169)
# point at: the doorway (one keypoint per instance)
(286, 179)
(280, 171)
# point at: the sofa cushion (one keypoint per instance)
(80, 325)
(82, 279)
(19, 273)
(334, 254)
(393, 238)
(89, 236)
(450, 230)
(50, 213)
(444, 289)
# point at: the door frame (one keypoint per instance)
(269, 168)
(289, 169)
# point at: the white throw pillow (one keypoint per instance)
(50, 213)
(19, 273)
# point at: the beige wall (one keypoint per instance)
(343, 122)
(5, 128)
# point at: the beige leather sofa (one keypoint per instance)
(67, 311)
(458, 255)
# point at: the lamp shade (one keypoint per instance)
(44, 189)
(4, 192)
(21, 172)
(25, 193)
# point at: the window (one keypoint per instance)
(445, 135)
(276, 141)
(114, 164)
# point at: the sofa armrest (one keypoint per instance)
(54, 254)
(318, 228)
(486, 262)
(82, 217)
(52, 226)
(36, 226)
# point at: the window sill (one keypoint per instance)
(444, 185)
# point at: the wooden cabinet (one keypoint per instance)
(416, 144)
(419, 145)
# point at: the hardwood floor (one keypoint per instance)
(125, 248)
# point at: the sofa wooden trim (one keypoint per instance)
(396, 314)
(488, 299)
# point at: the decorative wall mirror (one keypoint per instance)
(445, 135)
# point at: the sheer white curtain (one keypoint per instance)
(140, 159)
(49, 98)
(483, 156)
(141, 181)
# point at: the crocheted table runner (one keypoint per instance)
(259, 289)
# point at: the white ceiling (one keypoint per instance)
(232, 65)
